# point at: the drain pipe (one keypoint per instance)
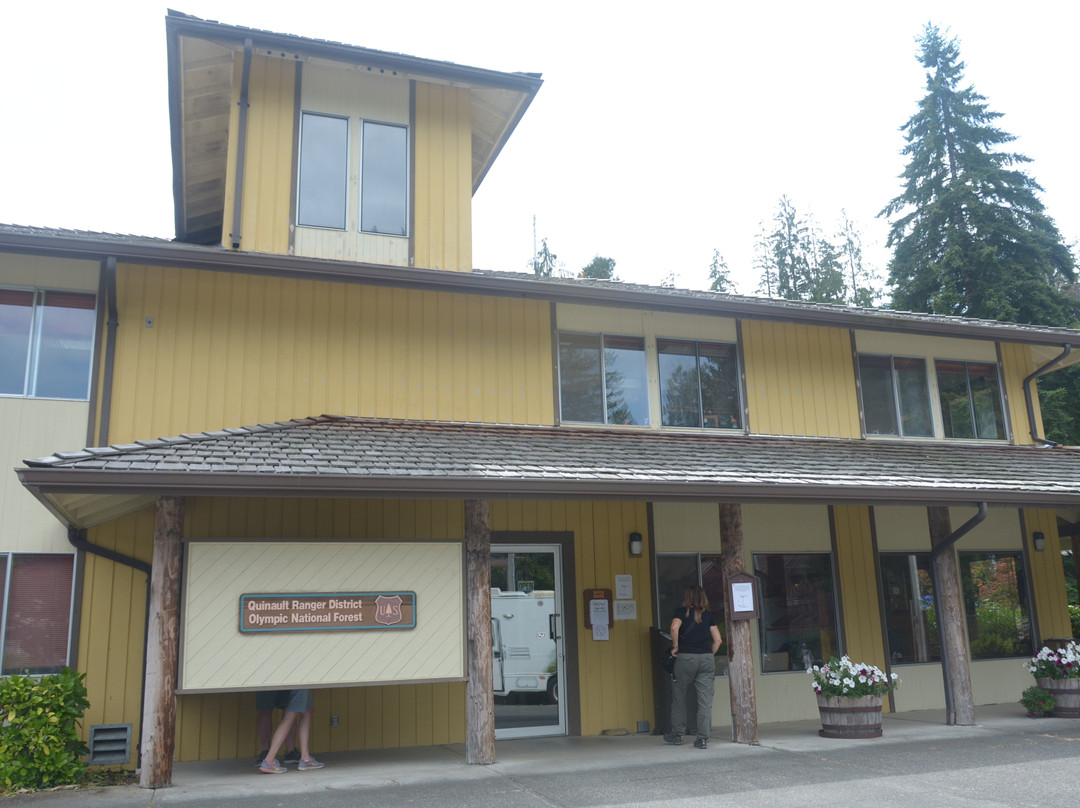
(77, 538)
(1028, 399)
(953, 538)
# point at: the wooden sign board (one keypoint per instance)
(339, 611)
(744, 596)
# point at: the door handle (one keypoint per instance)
(552, 622)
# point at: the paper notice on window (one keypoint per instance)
(742, 597)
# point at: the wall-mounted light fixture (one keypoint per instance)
(1038, 538)
(635, 544)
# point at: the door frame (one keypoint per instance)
(570, 689)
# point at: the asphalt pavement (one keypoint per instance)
(1005, 759)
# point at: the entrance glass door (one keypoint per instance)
(528, 656)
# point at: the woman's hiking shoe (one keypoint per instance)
(673, 739)
(309, 764)
(701, 743)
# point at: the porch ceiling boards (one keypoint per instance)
(331, 456)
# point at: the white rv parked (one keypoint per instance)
(523, 646)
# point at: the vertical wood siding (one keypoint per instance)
(855, 559)
(442, 184)
(232, 350)
(800, 380)
(1047, 574)
(267, 156)
(1016, 364)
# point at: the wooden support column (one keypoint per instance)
(948, 597)
(159, 705)
(1076, 557)
(479, 691)
(738, 640)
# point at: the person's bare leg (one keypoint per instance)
(264, 725)
(305, 732)
(282, 730)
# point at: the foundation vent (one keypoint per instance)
(109, 743)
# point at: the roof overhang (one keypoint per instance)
(201, 59)
(331, 457)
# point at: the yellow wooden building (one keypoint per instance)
(312, 395)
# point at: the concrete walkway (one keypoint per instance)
(1005, 759)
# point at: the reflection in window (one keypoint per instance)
(995, 603)
(895, 397)
(675, 572)
(35, 611)
(46, 343)
(384, 179)
(603, 385)
(324, 171)
(699, 384)
(910, 614)
(798, 617)
(970, 400)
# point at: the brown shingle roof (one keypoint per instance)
(335, 456)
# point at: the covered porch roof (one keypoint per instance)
(333, 456)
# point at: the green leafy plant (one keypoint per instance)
(842, 677)
(1074, 619)
(40, 745)
(1037, 701)
(1060, 664)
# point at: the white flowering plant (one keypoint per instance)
(842, 677)
(1060, 664)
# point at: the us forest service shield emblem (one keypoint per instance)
(388, 609)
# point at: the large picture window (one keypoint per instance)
(46, 343)
(324, 171)
(35, 611)
(895, 396)
(384, 174)
(602, 379)
(995, 606)
(675, 572)
(798, 610)
(970, 400)
(699, 384)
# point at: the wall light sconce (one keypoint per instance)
(635, 544)
(1039, 540)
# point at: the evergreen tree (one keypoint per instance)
(719, 274)
(861, 281)
(970, 236)
(601, 268)
(545, 262)
(764, 262)
(797, 262)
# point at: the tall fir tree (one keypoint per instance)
(969, 233)
(720, 275)
(600, 268)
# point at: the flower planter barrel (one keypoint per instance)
(850, 717)
(1066, 693)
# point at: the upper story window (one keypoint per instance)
(699, 384)
(46, 343)
(602, 379)
(970, 400)
(323, 185)
(896, 399)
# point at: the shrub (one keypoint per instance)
(1074, 619)
(1038, 702)
(39, 734)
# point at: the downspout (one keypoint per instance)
(77, 537)
(241, 143)
(1028, 397)
(954, 537)
(112, 323)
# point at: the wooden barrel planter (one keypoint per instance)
(1066, 693)
(850, 717)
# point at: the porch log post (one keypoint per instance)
(738, 640)
(948, 596)
(479, 690)
(162, 632)
(1076, 557)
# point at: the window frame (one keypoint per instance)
(1001, 410)
(9, 565)
(602, 338)
(895, 387)
(736, 381)
(345, 170)
(836, 625)
(36, 335)
(363, 123)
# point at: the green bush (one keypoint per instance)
(1074, 619)
(1038, 702)
(39, 734)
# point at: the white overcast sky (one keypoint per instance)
(662, 131)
